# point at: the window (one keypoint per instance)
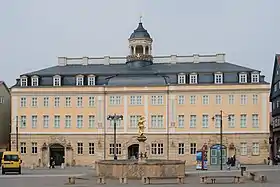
(118, 123)
(80, 80)
(56, 121)
(80, 148)
(181, 149)
(157, 121)
(181, 79)
(256, 149)
(192, 99)
(243, 120)
(255, 121)
(23, 102)
(231, 99)
(135, 100)
(157, 148)
(118, 149)
(181, 99)
(22, 121)
(181, 121)
(56, 101)
(134, 120)
(193, 148)
(79, 101)
(91, 101)
(46, 120)
(34, 101)
(46, 101)
(91, 80)
(231, 121)
(34, 149)
(218, 99)
(275, 87)
(192, 121)
(68, 101)
(23, 81)
(217, 121)
(205, 99)
(23, 147)
(255, 78)
(91, 121)
(79, 121)
(243, 99)
(115, 100)
(243, 149)
(57, 80)
(157, 100)
(205, 121)
(68, 121)
(218, 78)
(91, 148)
(242, 78)
(1, 99)
(255, 99)
(34, 120)
(193, 78)
(35, 81)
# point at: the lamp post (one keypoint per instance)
(114, 118)
(17, 133)
(221, 136)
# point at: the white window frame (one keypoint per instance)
(80, 148)
(23, 147)
(46, 101)
(79, 101)
(80, 121)
(135, 99)
(91, 121)
(181, 99)
(192, 99)
(118, 149)
(46, 121)
(68, 121)
(218, 78)
(134, 120)
(243, 149)
(57, 101)
(231, 121)
(157, 149)
(255, 77)
(181, 148)
(255, 99)
(91, 101)
(34, 121)
(218, 99)
(23, 101)
(157, 121)
(23, 120)
(193, 148)
(256, 148)
(193, 121)
(34, 148)
(57, 120)
(91, 80)
(231, 99)
(243, 99)
(23, 81)
(243, 120)
(205, 121)
(67, 101)
(115, 100)
(255, 121)
(34, 102)
(181, 121)
(91, 148)
(181, 78)
(35, 81)
(193, 78)
(156, 100)
(79, 80)
(57, 80)
(205, 99)
(217, 121)
(243, 78)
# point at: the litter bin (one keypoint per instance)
(243, 168)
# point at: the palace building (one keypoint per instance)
(62, 110)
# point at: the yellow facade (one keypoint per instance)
(178, 121)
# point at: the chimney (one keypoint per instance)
(62, 61)
(195, 58)
(85, 61)
(173, 59)
(220, 57)
(106, 60)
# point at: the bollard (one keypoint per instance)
(101, 180)
(123, 180)
(71, 180)
(263, 178)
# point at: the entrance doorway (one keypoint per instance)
(57, 153)
(133, 151)
(215, 154)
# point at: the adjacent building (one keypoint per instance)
(62, 110)
(5, 116)
(275, 114)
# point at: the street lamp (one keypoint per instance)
(17, 132)
(115, 118)
(221, 136)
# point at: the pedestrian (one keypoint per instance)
(228, 163)
(51, 163)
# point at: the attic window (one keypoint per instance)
(56, 80)
(91, 80)
(35, 81)
(218, 78)
(23, 81)
(80, 80)
(255, 78)
(193, 78)
(242, 78)
(181, 79)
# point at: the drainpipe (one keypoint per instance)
(167, 119)
(105, 120)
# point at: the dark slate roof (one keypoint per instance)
(147, 80)
(160, 68)
(140, 32)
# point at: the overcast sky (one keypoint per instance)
(33, 33)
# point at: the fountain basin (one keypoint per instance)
(132, 169)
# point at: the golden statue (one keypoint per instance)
(141, 126)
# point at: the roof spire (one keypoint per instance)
(140, 19)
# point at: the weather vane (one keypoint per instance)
(141, 19)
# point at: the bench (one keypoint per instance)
(147, 180)
(204, 179)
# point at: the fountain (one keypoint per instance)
(136, 169)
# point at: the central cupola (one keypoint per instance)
(140, 47)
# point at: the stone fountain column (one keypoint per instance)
(142, 153)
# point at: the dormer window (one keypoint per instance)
(91, 80)
(182, 79)
(218, 78)
(56, 80)
(80, 80)
(193, 78)
(255, 77)
(242, 78)
(23, 81)
(35, 81)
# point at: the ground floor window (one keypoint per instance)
(80, 149)
(22, 147)
(193, 148)
(157, 148)
(118, 149)
(91, 148)
(34, 149)
(181, 148)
